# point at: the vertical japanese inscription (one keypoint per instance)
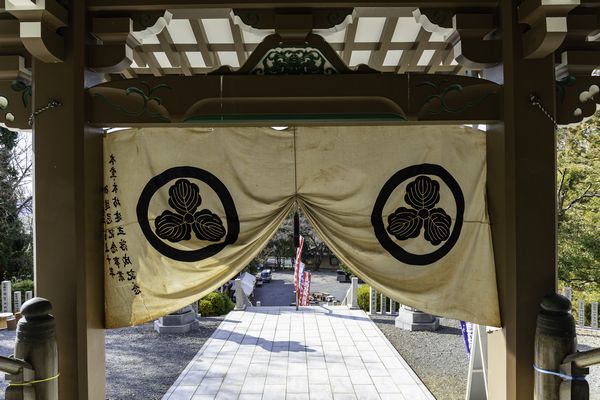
(117, 259)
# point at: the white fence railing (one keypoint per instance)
(582, 311)
(386, 305)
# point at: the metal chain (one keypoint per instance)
(535, 101)
(51, 104)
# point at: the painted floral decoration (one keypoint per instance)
(422, 195)
(184, 198)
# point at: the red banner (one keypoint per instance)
(298, 267)
(305, 289)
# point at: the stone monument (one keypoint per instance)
(181, 321)
(411, 319)
(17, 301)
(6, 297)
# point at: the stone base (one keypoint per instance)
(410, 320)
(181, 322)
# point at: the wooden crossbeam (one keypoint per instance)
(349, 40)
(210, 59)
(152, 64)
(378, 56)
(118, 5)
(411, 57)
(166, 45)
(436, 61)
(238, 42)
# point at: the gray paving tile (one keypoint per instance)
(278, 353)
(341, 384)
(182, 393)
(208, 386)
(366, 392)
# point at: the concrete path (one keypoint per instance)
(316, 353)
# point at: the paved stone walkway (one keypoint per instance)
(279, 353)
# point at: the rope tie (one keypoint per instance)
(33, 382)
(51, 104)
(559, 374)
(535, 101)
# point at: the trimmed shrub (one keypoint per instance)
(206, 308)
(22, 286)
(214, 304)
(363, 297)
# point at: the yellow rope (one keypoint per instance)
(27, 383)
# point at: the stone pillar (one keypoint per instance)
(28, 295)
(568, 293)
(17, 301)
(6, 297)
(411, 319)
(581, 313)
(36, 344)
(372, 301)
(595, 315)
(393, 307)
(382, 305)
(354, 293)
(68, 228)
(240, 304)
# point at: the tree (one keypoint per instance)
(281, 245)
(16, 253)
(578, 204)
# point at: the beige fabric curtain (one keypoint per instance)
(404, 207)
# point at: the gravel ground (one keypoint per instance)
(141, 364)
(438, 358)
(588, 340)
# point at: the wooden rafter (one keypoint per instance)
(210, 59)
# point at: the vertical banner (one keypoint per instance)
(305, 289)
(298, 267)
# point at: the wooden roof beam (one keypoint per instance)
(116, 5)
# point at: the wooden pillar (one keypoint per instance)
(521, 194)
(67, 209)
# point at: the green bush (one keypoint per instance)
(215, 303)
(22, 286)
(206, 308)
(363, 297)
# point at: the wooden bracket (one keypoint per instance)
(39, 22)
(117, 39)
(474, 48)
(15, 92)
(580, 52)
(547, 20)
(114, 53)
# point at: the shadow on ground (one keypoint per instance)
(141, 364)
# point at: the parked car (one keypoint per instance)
(342, 276)
(265, 275)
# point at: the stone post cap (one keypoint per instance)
(36, 307)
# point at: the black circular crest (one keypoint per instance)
(422, 195)
(185, 220)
